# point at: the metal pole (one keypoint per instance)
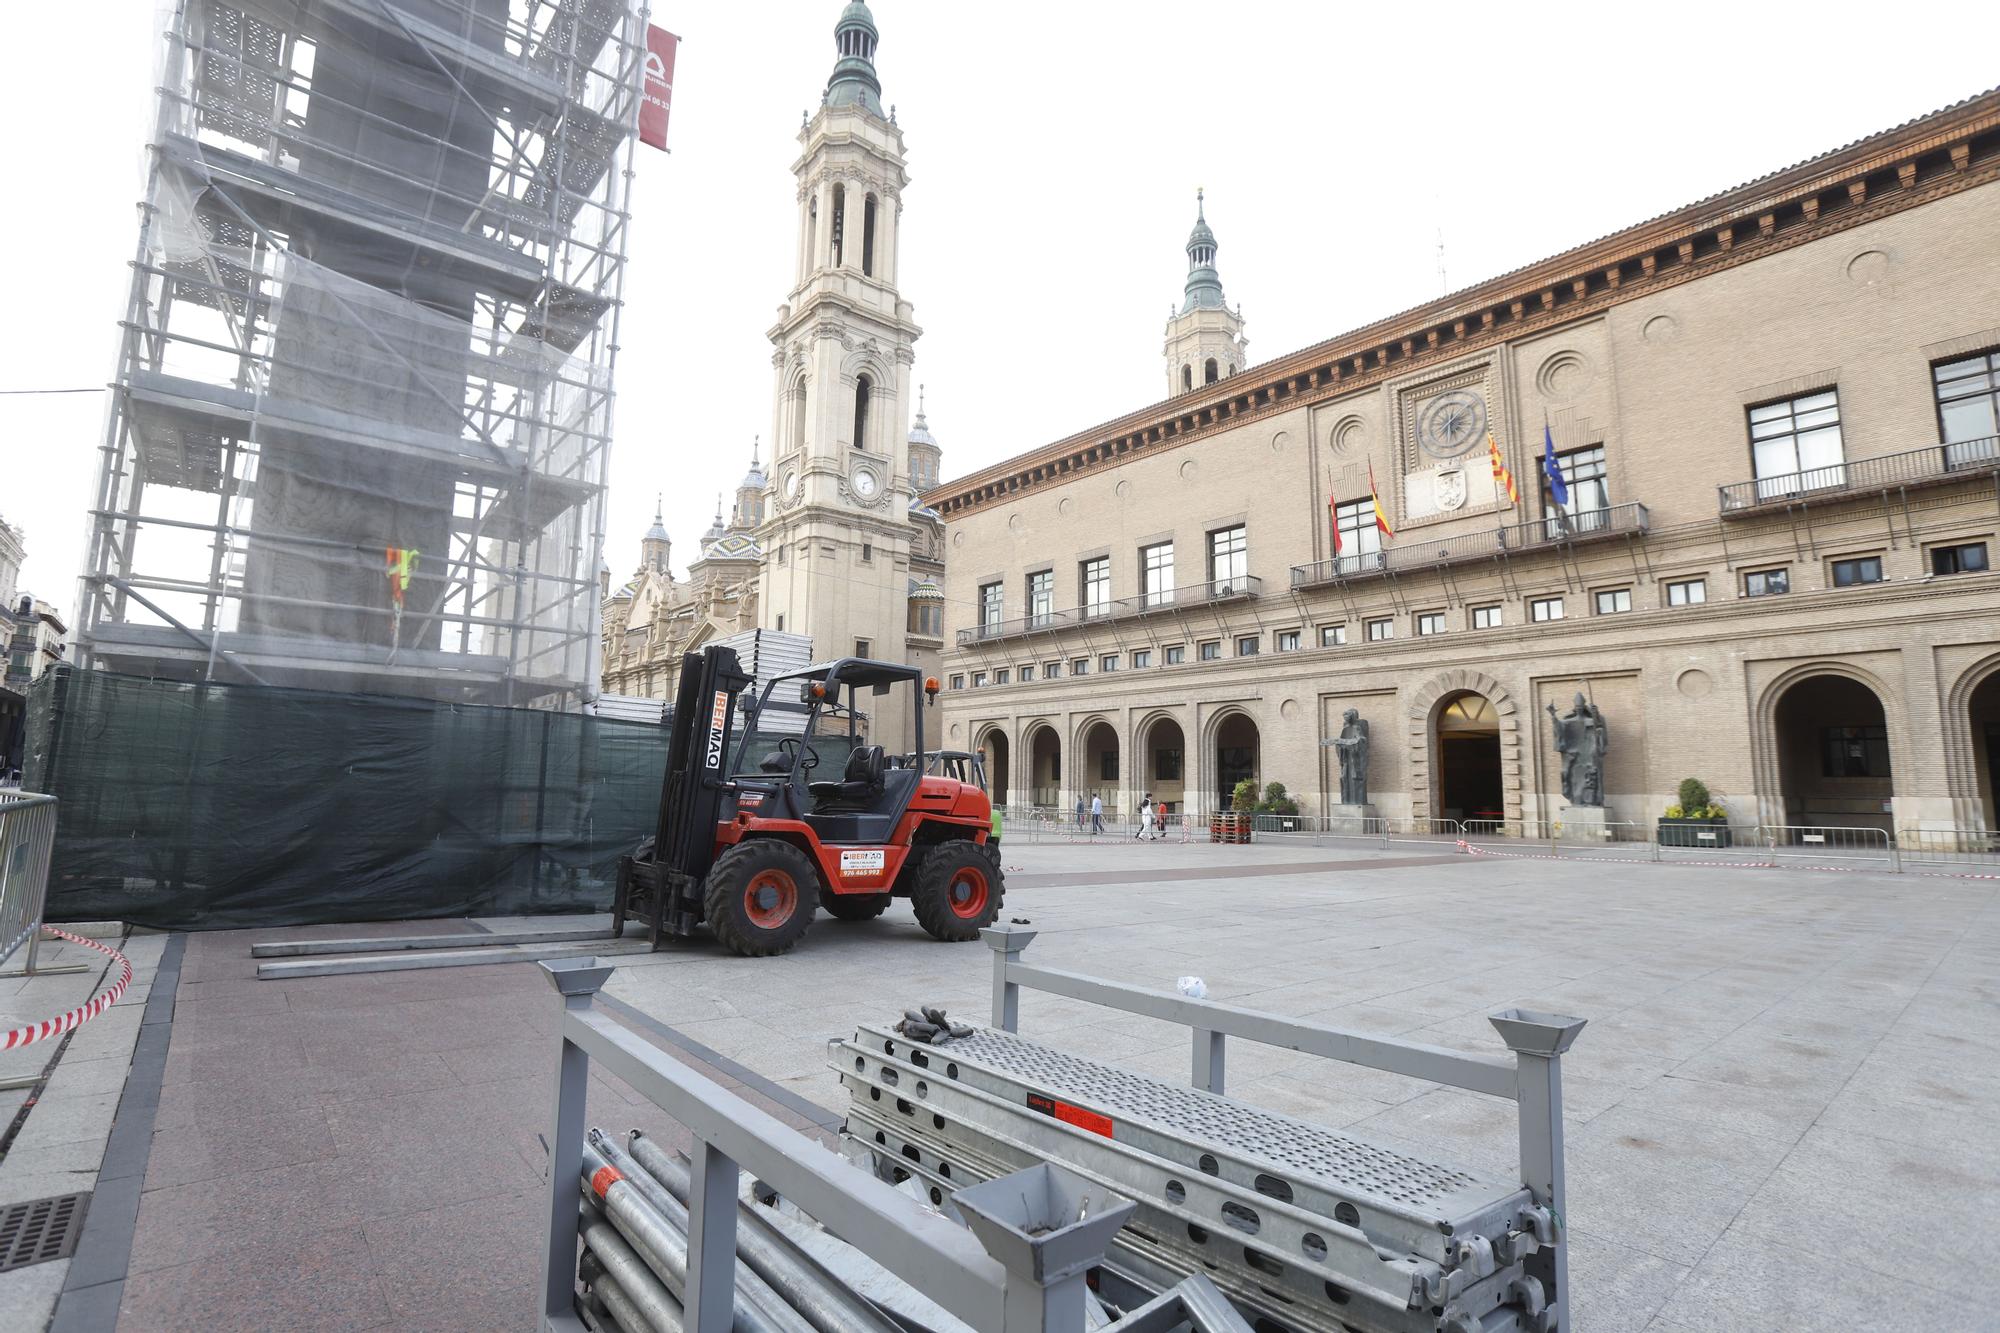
(711, 1260)
(1538, 1041)
(577, 980)
(1007, 942)
(655, 1303)
(1208, 1060)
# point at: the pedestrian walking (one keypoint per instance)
(1079, 809)
(1145, 816)
(1096, 813)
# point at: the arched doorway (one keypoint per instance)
(1833, 754)
(1162, 763)
(995, 749)
(1235, 755)
(1099, 774)
(1983, 712)
(1469, 781)
(1045, 767)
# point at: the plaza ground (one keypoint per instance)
(1780, 1114)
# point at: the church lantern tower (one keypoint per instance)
(836, 533)
(657, 548)
(1205, 339)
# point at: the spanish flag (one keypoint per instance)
(1502, 478)
(1381, 516)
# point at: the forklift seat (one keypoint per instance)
(860, 785)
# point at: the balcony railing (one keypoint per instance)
(1918, 467)
(1216, 592)
(1408, 555)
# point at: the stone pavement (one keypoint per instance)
(1779, 1117)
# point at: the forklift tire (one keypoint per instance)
(958, 891)
(854, 906)
(761, 896)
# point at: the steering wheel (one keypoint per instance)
(792, 754)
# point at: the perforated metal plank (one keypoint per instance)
(1417, 1203)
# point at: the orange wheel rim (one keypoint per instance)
(770, 899)
(967, 892)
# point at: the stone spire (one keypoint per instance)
(1205, 339)
(656, 549)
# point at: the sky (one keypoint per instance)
(1054, 153)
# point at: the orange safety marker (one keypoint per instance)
(604, 1178)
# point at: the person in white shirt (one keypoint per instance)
(1096, 813)
(1145, 816)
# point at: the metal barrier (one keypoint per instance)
(1532, 1078)
(1823, 843)
(27, 835)
(1968, 850)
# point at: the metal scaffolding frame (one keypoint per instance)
(373, 318)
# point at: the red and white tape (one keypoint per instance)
(54, 1027)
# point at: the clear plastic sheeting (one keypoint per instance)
(205, 807)
(361, 427)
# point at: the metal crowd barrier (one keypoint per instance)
(1531, 1078)
(1020, 1269)
(27, 837)
(1969, 850)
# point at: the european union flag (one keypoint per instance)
(1558, 487)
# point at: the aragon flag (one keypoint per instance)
(1502, 478)
(1333, 518)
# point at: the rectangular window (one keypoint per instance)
(1051, 670)
(867, 553)
(1767, 582)
(978, 679)
(781, 622)
(1141, 658)
(1248, 645)
(1611, 601)
(1210, 651)
(781, 554)
(861, 648)
(1854, 752)
(1079, 666)
(1687, 592)
(1968, 404)
(991, 606)
(1228, 560)
(1332, 636)
(1545, 608)
(1166, 765)
(1288, 640)
(1027, 672)
(1380, 630)
(1108, 662)
(1002, 676)
(1360, 539)
(1795, 445)
(958, 681)
(1107, 766)
(1589, 504)
(1156, 574)
(1861, 569)
(1176, 654)
(1966, 558)
(1430, 622)
(1486, 617)
(1041, 596)
(1094, 586)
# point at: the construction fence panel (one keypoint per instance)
(27, 828)
(205, 806)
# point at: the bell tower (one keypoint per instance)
(1205, 339)
(837, 532)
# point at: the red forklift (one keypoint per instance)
(750, 844)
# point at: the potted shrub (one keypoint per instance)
(1695, 820)
(1233, 825)
(1278, 802)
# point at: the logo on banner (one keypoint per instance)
(718, 725)
(862, 863)
(657, 93)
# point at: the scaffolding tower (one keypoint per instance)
(359, 434)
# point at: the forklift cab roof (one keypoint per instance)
(858, 672)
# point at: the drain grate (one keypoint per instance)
(40, 1230)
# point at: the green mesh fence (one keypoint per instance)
(197, 807)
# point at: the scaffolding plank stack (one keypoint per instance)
(361, 422)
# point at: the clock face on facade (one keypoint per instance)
(1451, 423)
(789, 487)
(865, 484)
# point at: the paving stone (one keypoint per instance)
(1752, 1283)
(324, 1282)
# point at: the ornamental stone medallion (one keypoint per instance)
(1448, 488)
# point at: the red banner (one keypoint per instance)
(658, 96)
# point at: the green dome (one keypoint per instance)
(1204, 284)
(853, 82)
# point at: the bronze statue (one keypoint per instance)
(1581, 740)
(1352, 747)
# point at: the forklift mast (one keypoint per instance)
(697, 761)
